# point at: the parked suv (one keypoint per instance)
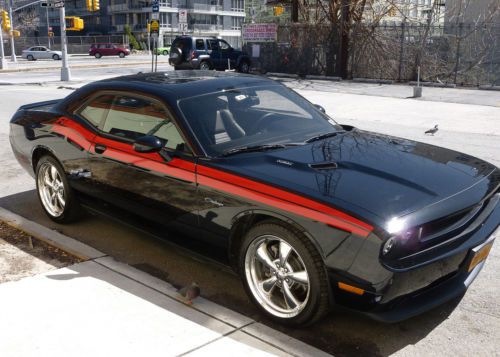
(206, 53)
(108, 49)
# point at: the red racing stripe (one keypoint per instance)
(219, 180)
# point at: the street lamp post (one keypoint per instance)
(65, 71)
(12, 47)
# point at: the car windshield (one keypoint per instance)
(253, 117)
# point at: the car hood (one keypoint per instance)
(373, 177)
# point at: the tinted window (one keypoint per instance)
(132, 117)
(251, 116)
(223, 45)
(200, 44)
(95, 112)
(213, 44)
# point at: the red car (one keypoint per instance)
(108, 49)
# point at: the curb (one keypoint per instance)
(215, 311)
(486, 87)
(433, 84)
(282, 75)
(49, 236)
(323, 78)
(371, 80)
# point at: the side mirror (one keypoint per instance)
(320, 108)
(147, 144)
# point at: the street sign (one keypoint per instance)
(155, 6)
(155, 15)
(155, 26)
(183, 27)
(52, 4)
(183, 16)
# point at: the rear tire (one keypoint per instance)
(56, 196)
(204, 66)
(165, 52)
(284, 274)
(97, 55)
(30, 58)
(244, 67)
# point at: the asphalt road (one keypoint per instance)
(470, 326)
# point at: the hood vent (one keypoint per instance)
(328, 165)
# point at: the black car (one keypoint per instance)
(205, 53)
(310, 213)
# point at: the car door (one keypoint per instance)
(214, 51)
(43, 53)
(226, 53)
(160, 187)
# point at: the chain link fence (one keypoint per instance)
(462, 54)
(76, 44)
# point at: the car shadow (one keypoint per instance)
(341, 333)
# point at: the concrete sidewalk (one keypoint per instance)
(102, 307)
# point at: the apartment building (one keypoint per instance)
(394, 12)
(222, 18)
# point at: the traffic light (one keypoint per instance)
(95, 5)
(5, 20)
(278, 10)
(16, 33)
(74, 23)
(89, 4)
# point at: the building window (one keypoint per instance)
(166, 3)
(238, 5)
(165, 19)
(236, 23)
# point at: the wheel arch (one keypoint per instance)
(246, 219)
(38, 152)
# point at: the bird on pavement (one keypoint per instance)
(189, 293)
(433, 130)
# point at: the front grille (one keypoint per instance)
(439, 237)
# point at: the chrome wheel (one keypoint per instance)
(277, 276)
(51, 189)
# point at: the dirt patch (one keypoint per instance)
(22, 255)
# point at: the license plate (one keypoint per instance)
(479, 254)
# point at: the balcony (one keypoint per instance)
(207, 27)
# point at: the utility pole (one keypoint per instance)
(3, 61)
(48, 25)
(12, 47)
(65, 71)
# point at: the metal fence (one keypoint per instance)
(463, 54)
(76, 44)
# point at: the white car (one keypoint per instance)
(41, 52)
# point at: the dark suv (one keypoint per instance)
(206, 53)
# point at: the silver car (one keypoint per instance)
(41, 52)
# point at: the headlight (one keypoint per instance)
(388, 245)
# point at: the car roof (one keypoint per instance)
(175, 85)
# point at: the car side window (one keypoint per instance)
(109, 46)
(200, 44)
(132, 117)
(96, 110)
(223, 45)
(213, 45)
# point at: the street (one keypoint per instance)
(469, 121)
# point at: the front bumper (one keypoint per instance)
(392, 296)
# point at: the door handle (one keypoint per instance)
(99, 148)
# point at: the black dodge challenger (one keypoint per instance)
(309, 212)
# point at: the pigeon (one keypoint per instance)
(433, 130)
(189, 293)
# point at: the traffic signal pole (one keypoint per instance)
(65, 71)
(12, 47)
(3, 61)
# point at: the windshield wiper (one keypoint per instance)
(257, 148)
(324, 136)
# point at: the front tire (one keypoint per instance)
(97, 55)
(284, 274)
(55, 57)
(165, 52)
(244, 67)
(56, 196)
(121, 55)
